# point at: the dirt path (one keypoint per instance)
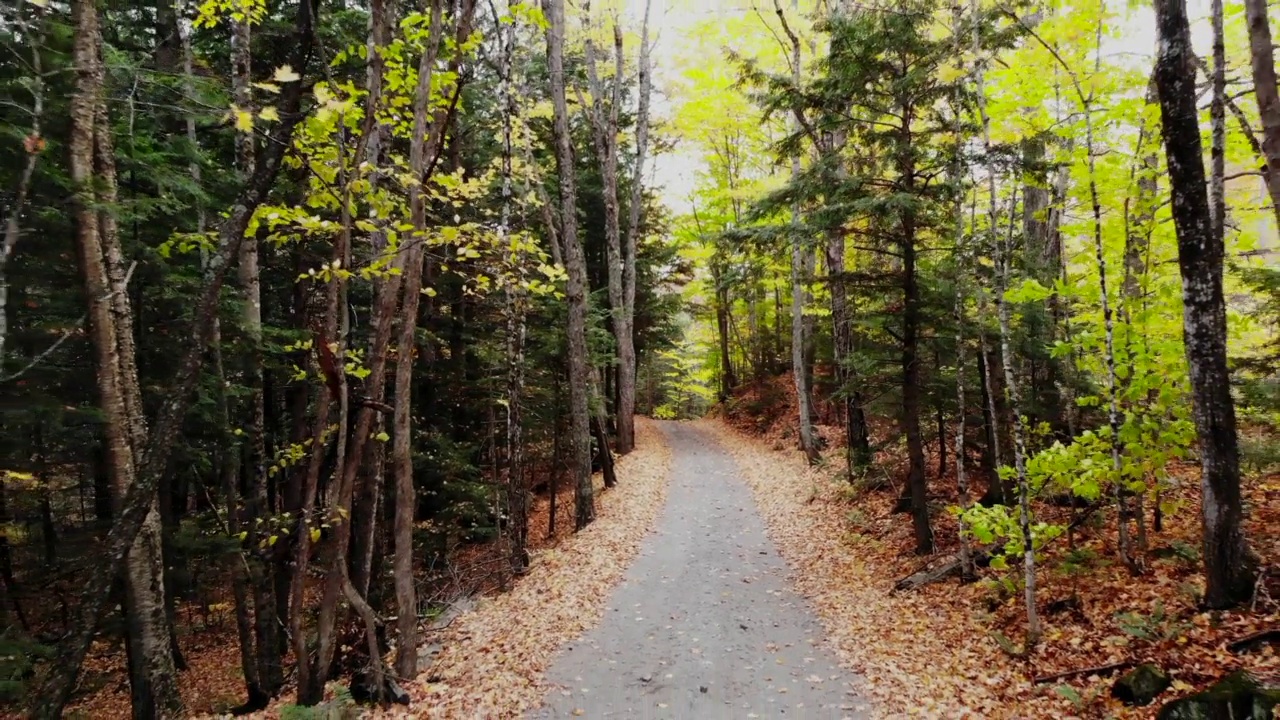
(704, 624)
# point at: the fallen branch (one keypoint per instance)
(1248, 642)
(1083, 671)
(933, 572)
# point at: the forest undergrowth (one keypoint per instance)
(948, 650)
(486, 660)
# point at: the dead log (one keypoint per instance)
(935, 571)
(1252, 642)
(1083, 671)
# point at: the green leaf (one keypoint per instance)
(1070, 693)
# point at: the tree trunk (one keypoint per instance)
(351, 451)
(917, 486)
(406, 662)
(1004, 262)
(728, 378)
(270, 675)
(1043, 258)
(1113, 381)
(1262, 59)
(576, 270)
(134, 510)
(605, 134)
(808, 444)
(152, 676)
(1229, 565)
(962, 480)
(517, 500)
(634, 226)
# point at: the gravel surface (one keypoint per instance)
(704, 624)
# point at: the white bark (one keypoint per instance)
(1003, 262)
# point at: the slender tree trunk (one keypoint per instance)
(251, 656)
(1140, 217)
(576, 269)
(993, 457)
(351, 452)
(1113, 381)
(1262, 57)
(1004, 262)
(728, 378)
(808, 443)
(962, 479)
(266, 624)
(517, 500)
(406, 662)
(917, 486)
(1019, 460)
(604, 123)
(12, 223)
(635, 218)
(1218, 121)
(941, 416)
(1229, 564)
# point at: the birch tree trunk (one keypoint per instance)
(1229, 565)
(627, 373)
(799, 368)
(270, 672)
(1004, 261)
(517, 500)
(576, 270)
(962, 480)
(152, 676)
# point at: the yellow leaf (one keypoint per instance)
(285, 74)
(269, 113)
(244, 119)
(315, 534)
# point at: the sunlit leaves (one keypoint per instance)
(212, 12)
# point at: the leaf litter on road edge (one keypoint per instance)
(933, 652)
(911, 655)
(493, 658)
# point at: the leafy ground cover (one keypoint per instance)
(943, 651)
(494, 657)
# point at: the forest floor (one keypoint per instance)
(684, 598)
(492, 659)
(937, 651)
(704, 624)
(489, 660)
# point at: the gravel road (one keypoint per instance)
(704, 624)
